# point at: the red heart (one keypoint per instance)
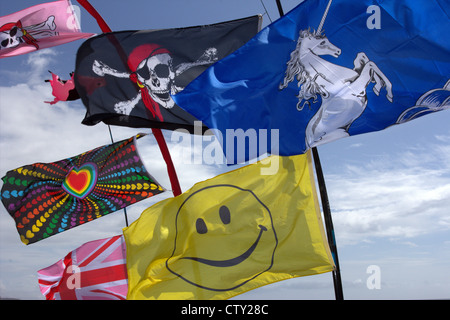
(77, 180)
(81, 181)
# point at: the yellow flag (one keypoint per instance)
(230, 234)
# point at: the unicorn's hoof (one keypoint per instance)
(390, 97)
(376, 90)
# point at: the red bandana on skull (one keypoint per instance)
(135, 59)
(12, 29)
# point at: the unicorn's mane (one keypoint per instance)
(309, 88)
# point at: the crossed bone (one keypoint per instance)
(125, 107)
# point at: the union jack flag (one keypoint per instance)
(95, 271)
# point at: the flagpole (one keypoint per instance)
(280, 8)
(337, 281)
(176, 189)
(124, 209)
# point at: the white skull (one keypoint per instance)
(11, 38)
(157, 74)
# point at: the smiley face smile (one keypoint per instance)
(234, 261)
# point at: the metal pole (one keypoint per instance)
(328, 225)
(280, 8)
(337, 281)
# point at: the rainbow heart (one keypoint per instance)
(81, 181)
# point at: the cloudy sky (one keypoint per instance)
(389, 191)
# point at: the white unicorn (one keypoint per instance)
(343, 90)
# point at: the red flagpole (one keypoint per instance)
(94, 13)
(176, 189)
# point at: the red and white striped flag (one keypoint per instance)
(95, 271)
(38, 27)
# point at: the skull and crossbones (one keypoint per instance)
(13, 34)
(152, 70)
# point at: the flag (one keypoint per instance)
(233, 233)
(41, 26)
(62, 90)
(94, 271)
(48, 198)
(125, 78)
(322, 72)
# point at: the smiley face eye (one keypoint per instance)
(225, 217)
(200, 225)
(224, 214)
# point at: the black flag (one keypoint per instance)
(127, 78)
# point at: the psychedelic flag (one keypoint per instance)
(38, 27)
(47, 198)
(233, 233)
(95, 271)
(126, 78)
(328, 70)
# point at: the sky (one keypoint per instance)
(389, 191)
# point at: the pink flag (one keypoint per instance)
(95, 271)
(41, 26)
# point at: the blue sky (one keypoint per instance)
(389, 191)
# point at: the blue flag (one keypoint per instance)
(324, 71)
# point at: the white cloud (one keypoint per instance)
(443, 138)
(355, 145)
(401, 195)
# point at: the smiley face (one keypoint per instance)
(224, 238)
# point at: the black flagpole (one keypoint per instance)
(328, 225)
(337, 281)
(280, 8)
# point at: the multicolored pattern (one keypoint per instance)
(81, 181)
(95, 271)
(48, 198)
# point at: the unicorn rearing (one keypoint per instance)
(343, 90)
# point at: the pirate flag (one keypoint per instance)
(127, 78)
(38, 27)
